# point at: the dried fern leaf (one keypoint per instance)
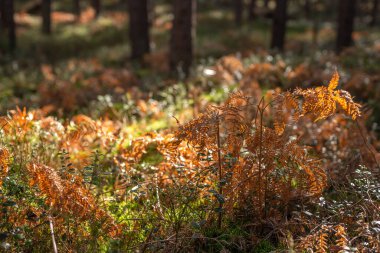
(341, 238)
(4, 163)
(334, 81)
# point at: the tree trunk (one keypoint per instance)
(315, 31)
(374, 12)
(138, 28)
(97, 6)
(251, 10)
(279, 25)
(266, 3)
(307, 8)
(346, 18)
(238, 5)
(3, 14)
(76, 8)
(46, 16)
(8, 15)
(182, 35)
(151, 12)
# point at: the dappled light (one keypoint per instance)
(189, 126)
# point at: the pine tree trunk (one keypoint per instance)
(76, 8)
(8, 15)
(138, 28)
(346, 18)
(3, 21)
(315, 31)
(151, 14)
(97, 6)
(307, 9)
(374, 12)
(266, 3)
(46, 16)
(279, 25)
(251, 10)
(238, 11)
(182, 35)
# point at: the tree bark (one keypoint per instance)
(46, 16)
(151, 13)
(76, 8)
(238, 5)
(266, 3)
(182, 35)
(138, 28)
(3, 14)
(279, 25)
(374, 12)
(8, 15)
(346, 18)
(315, 31)
(96, 4)
(251, 10)
(307, 9)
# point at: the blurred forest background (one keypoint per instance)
(142, 40)
(95, 96)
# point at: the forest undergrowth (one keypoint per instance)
(254, 170)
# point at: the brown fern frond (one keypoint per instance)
(234, 122)
(229, 67)
(82, 126)
(5, 124)
(269, 159)
(200, 132)
(233, 125)
(344, 99)
(4, 163)
(69, 196)
(333, 84)
(286, 109)
(307, 243)
(321, 102)
(341, 238)
(317, 102)
(322, 243)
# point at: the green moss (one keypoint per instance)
(152, 156)
(156, 125)
(264, 246)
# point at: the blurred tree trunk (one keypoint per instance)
(251, 10)
(238, 5)
(138, 28)
(2, 14)
(307, 8)
(374, 12)
(46, 16)
(279, 25)
(151, 12)
(266, 3)
(315, 29)
(7, 15)
(182, 35)
(346, 16)
(97, 6)
(76, 8)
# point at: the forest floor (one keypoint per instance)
(94, 142)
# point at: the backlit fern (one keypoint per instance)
(4, 163)
(69, 196)
(261, 169)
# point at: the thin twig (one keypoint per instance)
(220, 176)
(367, 145)
(52, 234)
(260, 150)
